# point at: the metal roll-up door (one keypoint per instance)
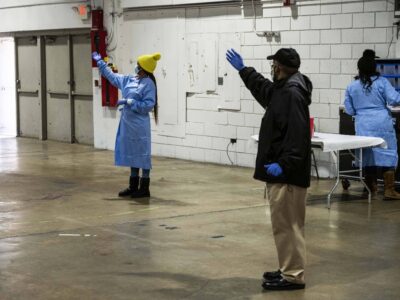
(82, 90)
(28, 87)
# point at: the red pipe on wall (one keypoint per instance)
(109, 93)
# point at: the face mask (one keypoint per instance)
(273, 74)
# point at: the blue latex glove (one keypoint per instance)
(96, 56)
(121, 102)
(273, 169)
(235, 59)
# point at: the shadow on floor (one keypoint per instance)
(197, 287)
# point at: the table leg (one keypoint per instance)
(360, 163)
(265, 191)
(315, 163)
(337, 179)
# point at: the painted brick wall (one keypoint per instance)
(329, 35)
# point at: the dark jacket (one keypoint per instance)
(285, 128)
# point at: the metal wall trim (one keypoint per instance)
(43, 88)
(71, 87)
(17, 84)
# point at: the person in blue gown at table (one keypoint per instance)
(133, 141)
(367, 99)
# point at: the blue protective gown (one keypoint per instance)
(133, 142)
(374, 118)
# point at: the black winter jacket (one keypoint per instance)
(285, 128)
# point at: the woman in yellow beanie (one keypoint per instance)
(133, 142)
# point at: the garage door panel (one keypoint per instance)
(28, 69)
(83, 121)
(58, 118)
(83, 99)
(82, 64)
(67, 109)
(57, 64)
(29, 115)
(58, 101)
(28, 64)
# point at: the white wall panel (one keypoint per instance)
(201, 62)
(149, 3)
(156, 32)
(41, 17)
(231, 27)
(230, 89)
(207, 70)
(192, 65)
(209, 63)
(20, 3)
(8, 114)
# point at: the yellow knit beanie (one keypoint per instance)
(148, 62)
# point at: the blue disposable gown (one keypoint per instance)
(133, 142)
(374, 118)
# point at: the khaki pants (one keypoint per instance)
(288, 208)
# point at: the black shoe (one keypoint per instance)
(282, 285)
(272, 275)
(144, 191)
(133, 187)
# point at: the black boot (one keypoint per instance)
(372, 183)
(272, 275)
(390, 192)
(144, 190)
(133, 187)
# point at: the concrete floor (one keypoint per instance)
(204, 235)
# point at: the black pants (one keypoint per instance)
(373, 170)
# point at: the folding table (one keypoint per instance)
(334, 143)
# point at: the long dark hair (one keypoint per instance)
(367, 69)
(155, 109)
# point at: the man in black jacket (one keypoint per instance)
(283, 158)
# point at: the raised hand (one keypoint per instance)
(96, 56)
(235, 59)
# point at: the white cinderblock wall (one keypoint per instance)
(329, 35)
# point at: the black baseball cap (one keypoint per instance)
(369, 53)
(287, 57)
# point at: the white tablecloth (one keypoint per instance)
(329, 142)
